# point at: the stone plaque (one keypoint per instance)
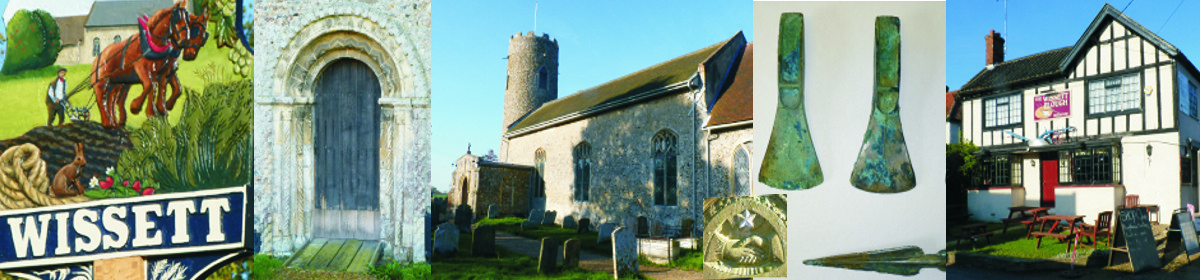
(445, 240)
(625, 252)
(464, 217)
(605, 232)
(570, 254)
(483, 241)
(548, 256)
(585, 225)
(745, 236)
(568, 222)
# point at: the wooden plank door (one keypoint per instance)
(1049, 177)
(346, 144)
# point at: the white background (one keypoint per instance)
(835, 217)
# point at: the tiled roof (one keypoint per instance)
(117, 13)
(673, 71)
(1007, 74)
(953, 110)
(737, 103)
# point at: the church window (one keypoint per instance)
(542, 76)
(539, 165)
(96, 46)
(665, 178)
(116, 39)
(740, 177)
(583, 158)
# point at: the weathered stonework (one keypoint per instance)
(294, 42)
(528, 55)
(504, 185)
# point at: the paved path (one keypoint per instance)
(589, 260)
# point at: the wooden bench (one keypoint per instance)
(1059, 236)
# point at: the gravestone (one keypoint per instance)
(643, 226)
(549, 218)
(1134, 237)
(548, 256)
(493, 212)
(445, 240)
(529, 224)
(483, 241)
(535, 215)
(570, 254)
(625, 252)
(568, 222)
(605, 232)
(585, 225)
(464, 217)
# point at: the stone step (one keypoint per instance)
(356, 256)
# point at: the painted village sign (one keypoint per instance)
(155, 191)
(1052, 105)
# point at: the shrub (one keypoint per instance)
(393, 270)
(34, 41)
(209, 147)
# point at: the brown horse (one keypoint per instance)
(124, 64)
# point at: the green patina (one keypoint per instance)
(883, 164)
(791, 160)
(907, 261)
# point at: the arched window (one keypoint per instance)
(740, 171)
(96, 46)
(665, 178)
(116, 39)
(583, 173)
(539, 165)
(542, 76)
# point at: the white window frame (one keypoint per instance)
(1120, 94)
(1002, 111)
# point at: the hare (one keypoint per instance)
(69, 174)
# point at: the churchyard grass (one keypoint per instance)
(394, 270)
(587, 240)
(688, 260)
(23, 95)
(506, 265)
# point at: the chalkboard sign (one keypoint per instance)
(1188, 228)
(1135, 238)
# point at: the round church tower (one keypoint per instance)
(532, 75)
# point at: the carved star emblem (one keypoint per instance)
(747, 219)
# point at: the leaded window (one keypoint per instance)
(1114, 95)
(665, 178)
(583, 162)
(539, 166)
(999, 171)
(1100, 165)
(741, 171)
(1002, 111)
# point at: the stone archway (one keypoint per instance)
(464, 191)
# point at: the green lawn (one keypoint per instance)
(688, 259)
(506, 265)
(24, 94)
(587, 240)
(1013, 244)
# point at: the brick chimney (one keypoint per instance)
(995, 48)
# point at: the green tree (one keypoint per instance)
(34, 41)
(960, 163)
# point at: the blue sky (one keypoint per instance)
(598, 41)
(1038, 26)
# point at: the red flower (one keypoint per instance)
(125, 183)
(148, 191)
(137, 186)
(106, 183)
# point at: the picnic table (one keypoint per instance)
(1026, 216)
(973, 232)
(1072, 220)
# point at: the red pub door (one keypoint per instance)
(1049, 177)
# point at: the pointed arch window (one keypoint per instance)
(740, 171)
(583, 172)
(665, 170)
(96, 46)
(539, 165)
